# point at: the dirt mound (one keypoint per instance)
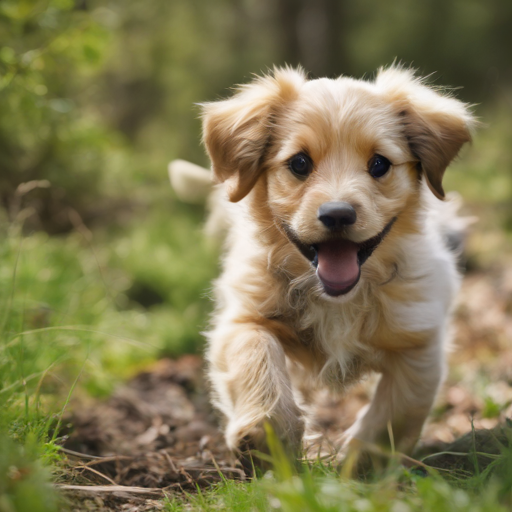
(157, 431)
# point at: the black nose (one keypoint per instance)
(336, 214)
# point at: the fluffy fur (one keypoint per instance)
(276, 334)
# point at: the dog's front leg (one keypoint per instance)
(403, 399)
(251, 386)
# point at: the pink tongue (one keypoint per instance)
(337, 263)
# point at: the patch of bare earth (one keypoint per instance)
(158, 434)
(155, 434)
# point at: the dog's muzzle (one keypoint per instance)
(338, 261)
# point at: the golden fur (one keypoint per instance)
(276, 332)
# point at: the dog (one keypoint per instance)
(339, 249)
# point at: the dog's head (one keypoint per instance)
(340, 161)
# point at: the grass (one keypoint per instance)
(82, 312)
(320, 488)
(24, 479)
(73, 321)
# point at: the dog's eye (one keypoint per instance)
(300, 165)
(378, 166)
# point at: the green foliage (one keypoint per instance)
(70, 304)
(24, 483)
(491, 408)
(77, 79)
(50, 52)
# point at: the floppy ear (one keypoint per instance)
(237, 131)
(436, 126)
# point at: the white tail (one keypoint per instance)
(192, 183)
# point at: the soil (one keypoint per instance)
(158, 433)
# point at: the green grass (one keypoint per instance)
(24, 479)
(320, 488)
(323, 487)
(71, 324)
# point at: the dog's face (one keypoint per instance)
(341, 160)
(341, 175)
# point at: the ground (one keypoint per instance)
(157, 434)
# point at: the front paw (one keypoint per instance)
(264, 445)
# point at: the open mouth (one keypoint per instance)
(338, 261)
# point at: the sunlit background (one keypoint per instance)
(102, 269)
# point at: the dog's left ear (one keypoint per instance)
(436, 125)
(237, 131)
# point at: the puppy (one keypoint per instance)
(337, 260)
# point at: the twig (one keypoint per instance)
(95, 471)
(171, 463)
(189, 479)
(462, 454)
(234, 470)
(112, 458)
(110, 488)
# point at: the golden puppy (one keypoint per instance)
(337, 258)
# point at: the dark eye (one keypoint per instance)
(300, 165)
(378, 166)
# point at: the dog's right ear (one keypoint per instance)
(237, 131)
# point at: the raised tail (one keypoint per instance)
(192, 183)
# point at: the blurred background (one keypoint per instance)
(101, 268)
(97, 96)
